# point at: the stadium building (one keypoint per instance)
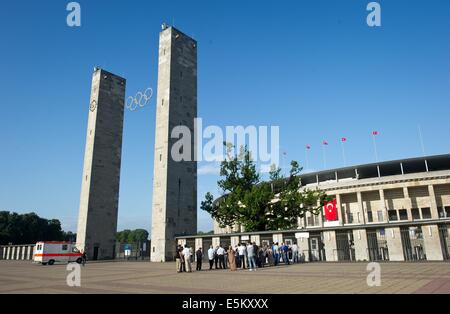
(389, 211)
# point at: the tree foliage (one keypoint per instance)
(132, 236)
(29, 228)
(258, 205)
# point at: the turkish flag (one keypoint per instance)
(331, 211)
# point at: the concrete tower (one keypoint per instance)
(97, 222)
(174, 210)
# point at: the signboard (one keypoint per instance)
(245, 238)
(300, 235)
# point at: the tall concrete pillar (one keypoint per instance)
(256, 239)
(432, 243)
(174, 209)
(330, 246)
(99, 199)
(303, 248)
(394, 243)
(434, 208)
(13, 255)
(8, 253)
(360, 241)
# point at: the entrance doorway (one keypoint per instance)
(345, 246)
(316, 248)
(377, 245)
(95, 256)
(413, 244)
(445, 240)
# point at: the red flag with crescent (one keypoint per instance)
(331, 211)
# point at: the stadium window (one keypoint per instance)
(369, 216)
(426, 213)
(403, 214)
(415, 213)
(392, 215)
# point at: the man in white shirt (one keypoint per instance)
(241, 253)
(187, 258)
(251, 257)
(220, 254)
(295, 253)
(211, 257)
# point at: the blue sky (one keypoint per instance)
(314, 68)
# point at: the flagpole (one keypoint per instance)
(375, 147)
(324, 157)
(307, 158)
(343, 153)
(421, 141)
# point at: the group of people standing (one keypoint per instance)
(245, 256)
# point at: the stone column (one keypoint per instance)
(408, 203)
(13, 255)
(303, 248)
(383, 203)
(330, 246)
(30, 252)
(432, 243)
(394, 243)
(215, 242)
(256, 239)
(198, 243)
(8, 252)
(434, 209)
(361, 208)
(339, 210)
(360, 240)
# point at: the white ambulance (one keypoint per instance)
(56, 252)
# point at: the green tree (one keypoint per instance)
(256, 205)
(28, 228)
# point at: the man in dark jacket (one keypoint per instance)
(199, 255)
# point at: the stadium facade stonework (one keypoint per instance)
(388, 211)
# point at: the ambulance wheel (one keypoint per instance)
(79, 260)
(51, 262)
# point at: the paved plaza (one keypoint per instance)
(145, 277)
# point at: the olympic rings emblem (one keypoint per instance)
(140, 100)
